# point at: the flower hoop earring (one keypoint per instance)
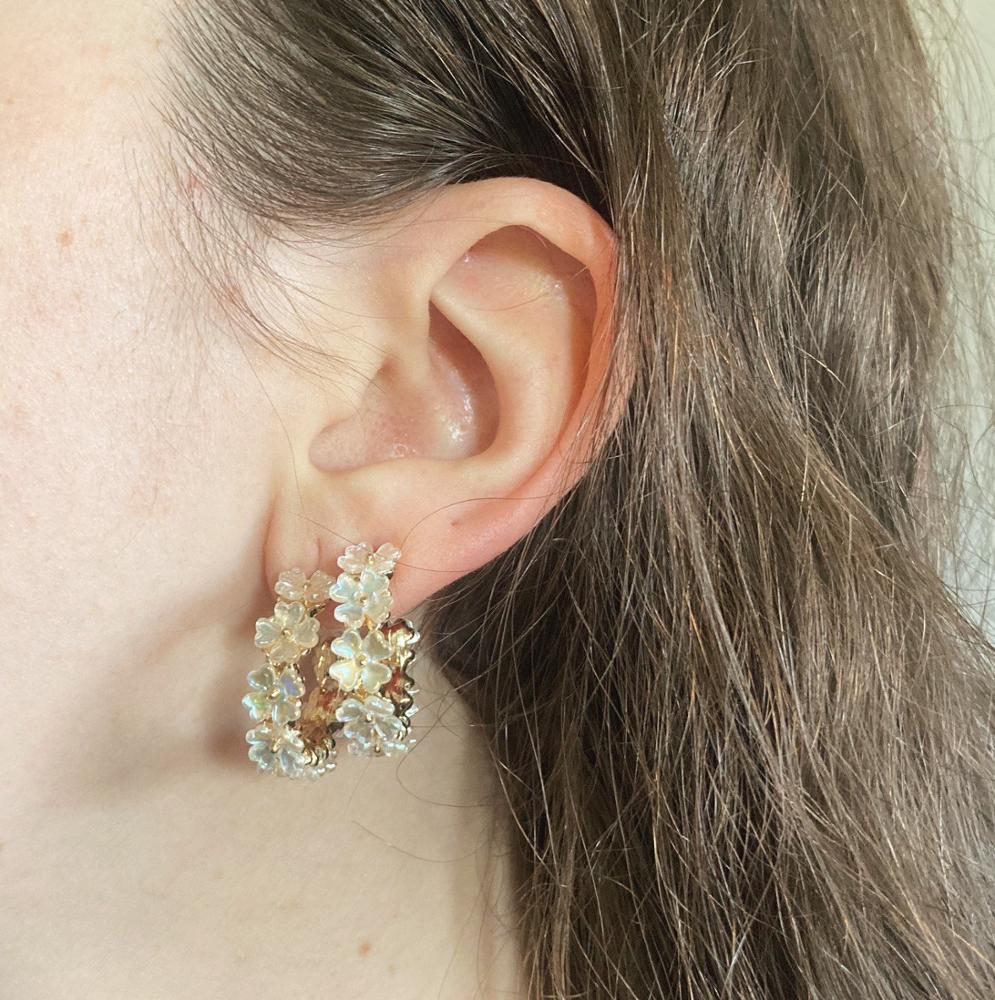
(362, 688)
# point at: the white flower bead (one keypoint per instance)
(276, 697)
(257, 700)
(277, 750)
(287, 697)
(288, 634)
(356, 558)
(360, 663)
(295, 585)
(365, 598)
(372, 726)
(260, 742)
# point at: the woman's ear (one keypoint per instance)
(479, 332)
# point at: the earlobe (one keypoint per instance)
(489, 370)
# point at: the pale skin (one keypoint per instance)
(158, 469)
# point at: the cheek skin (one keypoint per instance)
(132, 478)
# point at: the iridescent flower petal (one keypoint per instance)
(291, 584)
(284, 650)
(258, 704)
(344, 589)
(345, 673)
(378, 706)
(261, 755)
(350, 614)
(385, 558)
(285, 711)
(287, 616)
(261, 734)
(377, 608)
(347, 645)
(305, 634)
(374, 675)
(291, 762)
(372, 725)
(372, 583)
(355, 558)
(290, 738)
(350, 710)
(289, 749)
(374, 646)
(359, 731)
(262, 679)
(391, 728)
(318, 587)
(291, 684)
(267, 631)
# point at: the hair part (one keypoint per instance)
(742, 725)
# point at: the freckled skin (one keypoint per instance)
(112, 402)
(116, 479)
(141, 461)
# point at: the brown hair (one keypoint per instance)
(743, 726)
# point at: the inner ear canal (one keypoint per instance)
(447, 409)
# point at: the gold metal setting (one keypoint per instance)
(362, 691)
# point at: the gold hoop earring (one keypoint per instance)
(362, 692)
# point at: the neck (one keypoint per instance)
(148, 851)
